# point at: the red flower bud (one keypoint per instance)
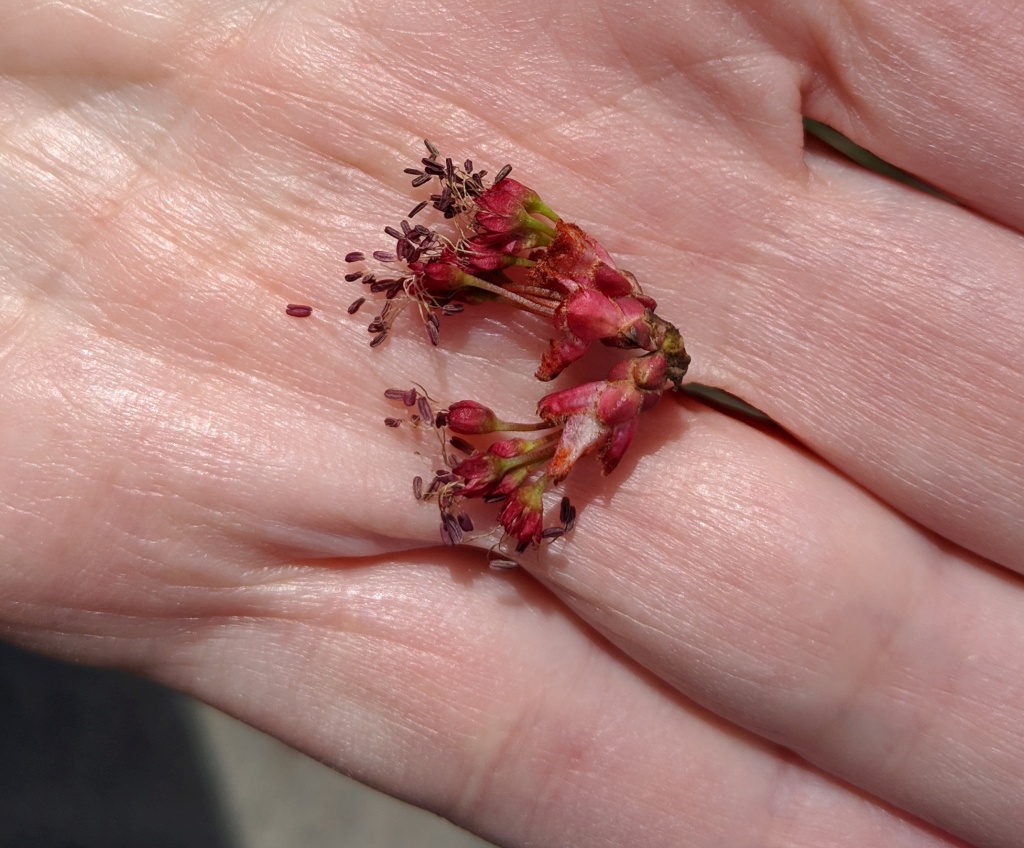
(486, 252)
(500, 464)
(509, 206)
(471, 418)
(480, 473)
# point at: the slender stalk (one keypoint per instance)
(523, 302)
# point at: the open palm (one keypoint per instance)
(807, 636)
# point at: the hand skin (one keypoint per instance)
(811, 636)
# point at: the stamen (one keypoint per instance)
(451, 530)
(354, 306)
(523, 302)
(423, 405)
(461, 444)
(298, 310)
(563, 510)
(354, 256)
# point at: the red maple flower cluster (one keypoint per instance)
(510, 245)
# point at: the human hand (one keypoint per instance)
(822, 628)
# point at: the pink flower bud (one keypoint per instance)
(480, 473)
(442, 275)
(509, 206)
(486, 252)
(497, 470)
(511, 448)
(471, 418)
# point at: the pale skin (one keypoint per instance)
(811, 639)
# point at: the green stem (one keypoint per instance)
(521, 427)
(540, 206)
(537, 455)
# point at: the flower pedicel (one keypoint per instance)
(508, 245)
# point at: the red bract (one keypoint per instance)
(587, 316)
(575, 261)
(602, 416)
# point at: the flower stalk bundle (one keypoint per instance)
(509, 246)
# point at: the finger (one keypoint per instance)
(781, 596)
(471, 693)
(930, 87)
(879, 326)
(875, 324)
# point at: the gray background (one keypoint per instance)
(96, 759)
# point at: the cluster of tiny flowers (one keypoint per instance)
(509, 245)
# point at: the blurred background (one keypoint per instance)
(96, 759)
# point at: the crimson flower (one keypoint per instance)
(507, 244)
(523, 514)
